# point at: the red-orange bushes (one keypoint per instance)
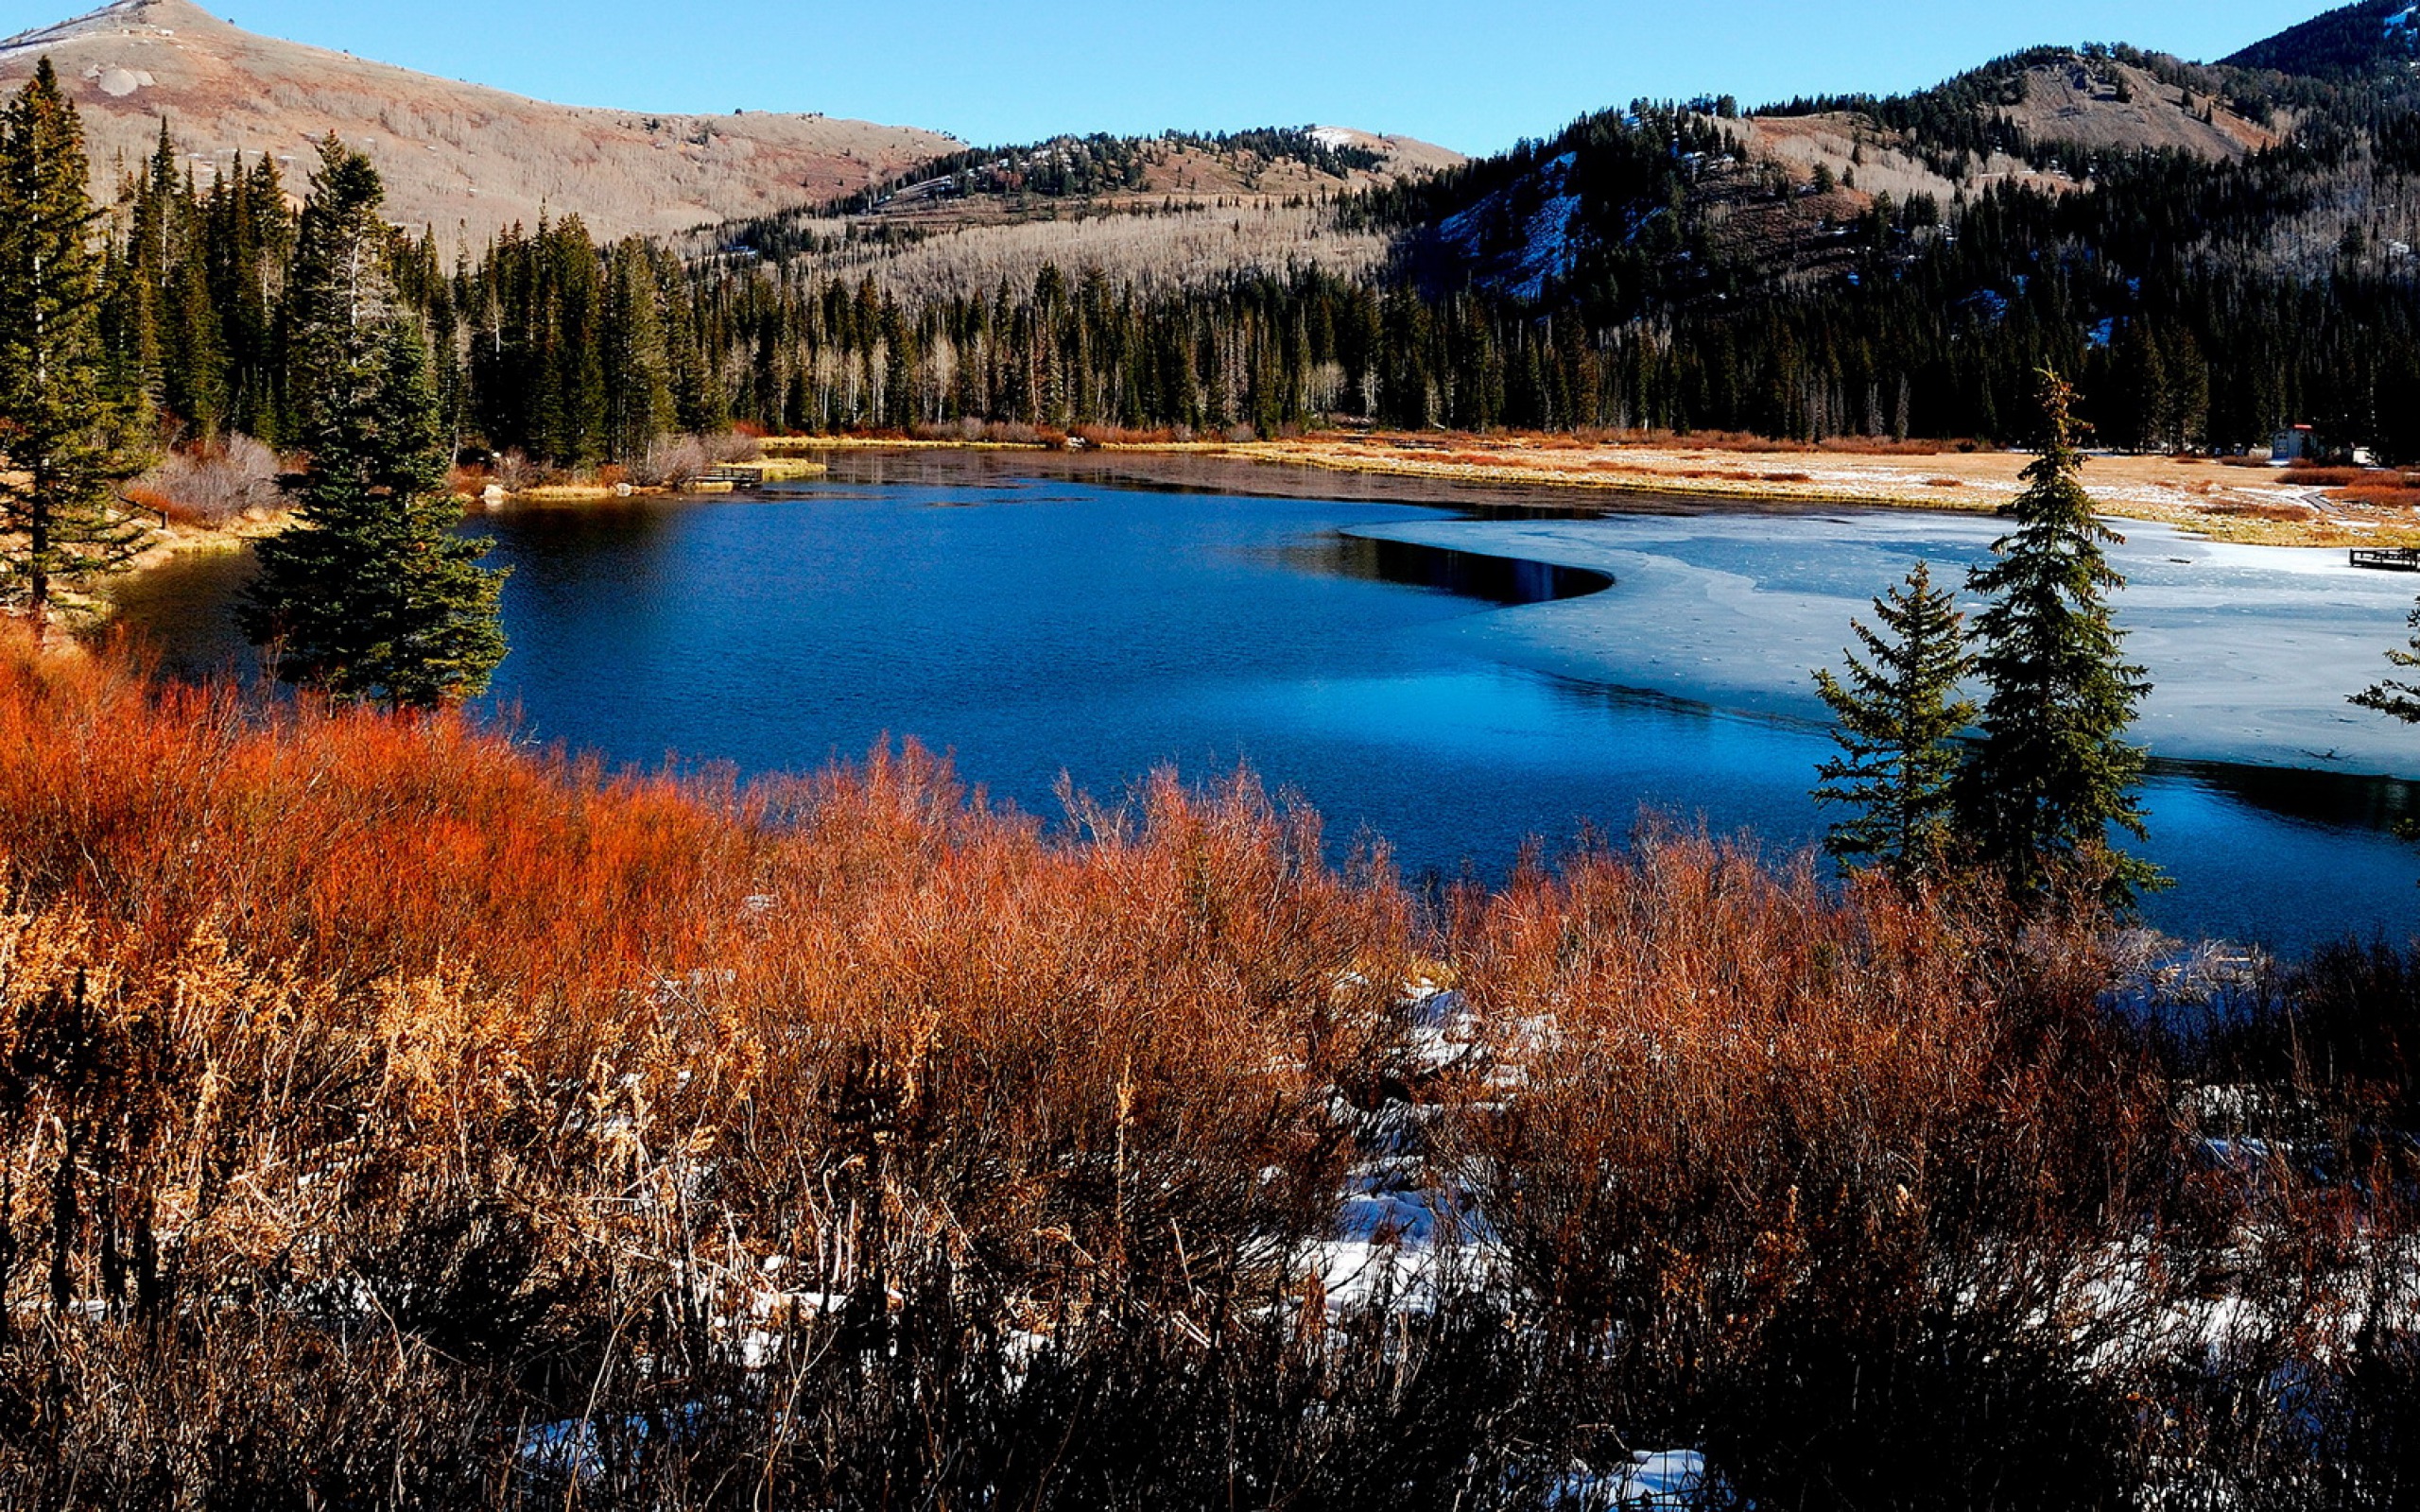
(793, 1122)
(1121, 1044)
(859, 988)
(353, 845)
(1753, 1143)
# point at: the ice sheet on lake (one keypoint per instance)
(2253, 650)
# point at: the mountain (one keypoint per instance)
(1703, 198)
(455, 156)
(2348, 44)
(468, 160)
(1179, 209)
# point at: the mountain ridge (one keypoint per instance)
(2343, 43)
(467, 160)
(455, 157)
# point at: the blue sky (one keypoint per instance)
(1474, 76)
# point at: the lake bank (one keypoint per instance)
(2247, 505)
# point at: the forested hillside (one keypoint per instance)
(2215, 251)
(2356, 42)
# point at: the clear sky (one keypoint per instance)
(1471, 75)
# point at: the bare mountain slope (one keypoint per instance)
(454, 156)
(2108, 104)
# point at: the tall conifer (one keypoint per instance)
(2055, 772)
(373, 597)
(60, 525)
(638, 385)
(1899, 714)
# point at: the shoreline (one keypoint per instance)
(2233, 505)
(2239, 504)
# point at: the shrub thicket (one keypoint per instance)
(390, 1116)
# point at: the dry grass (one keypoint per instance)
(2281, 506)
(212, 486)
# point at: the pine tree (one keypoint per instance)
(2053, 772)
(2390, 695)
(192, 358)
(372, 596)
(1899, 714)
(638, 387)
(59, 523)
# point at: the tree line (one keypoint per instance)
(578, 354)
(371, 595)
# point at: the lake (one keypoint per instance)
(1457, 679)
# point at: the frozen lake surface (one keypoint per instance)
(2252, 651)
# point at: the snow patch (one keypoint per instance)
(1672, 1478)
(1337, 138)
(1542, 247)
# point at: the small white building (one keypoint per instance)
(2292, 445)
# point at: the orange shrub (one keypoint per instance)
(384, 1084)
(2309, 474)
(2248, 510)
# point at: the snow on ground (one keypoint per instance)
(1673, 1478)
(2252, 650)
(1544, 246)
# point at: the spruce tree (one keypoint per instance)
(638, 388)
(192, 358)
(1899, 715)
(2390, 695)
(372, 596)
(60, 524)
(2054, 772)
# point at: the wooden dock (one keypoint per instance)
(2388, 559)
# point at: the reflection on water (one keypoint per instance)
(2328, 799)
(182, 613)
(1465, 574)
(2325, 801)
(1063, 626)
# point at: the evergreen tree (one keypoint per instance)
(59, 523)
(2390, 695)
(193, 357)
(371, 595)
(638, 385)
(572, 407)
(2054, 772)
(1899, 714)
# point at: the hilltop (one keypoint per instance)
(1181, 209)
(1723, 195)
(468, 160)
(455, 156)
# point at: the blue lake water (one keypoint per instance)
(1039, 626)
